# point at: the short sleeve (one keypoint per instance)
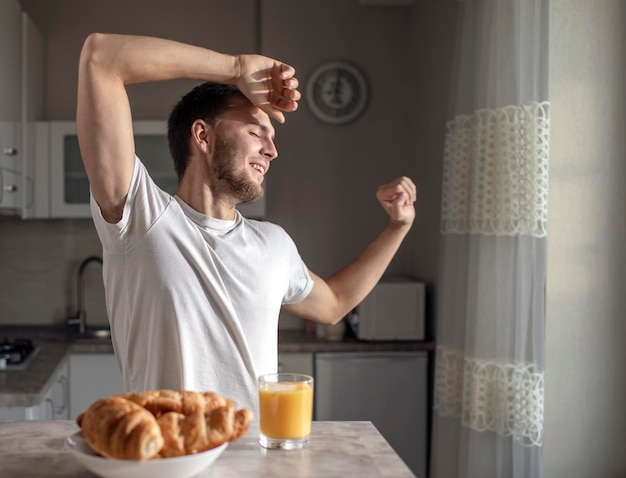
(145, 203)
(300, 281)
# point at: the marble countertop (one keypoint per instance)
(338, 449)
(28, 387)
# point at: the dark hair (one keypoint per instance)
(206, 102)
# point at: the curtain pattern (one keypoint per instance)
(489, 382)
(504, 398)
(495, 182)
(495, 172)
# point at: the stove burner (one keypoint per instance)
(15, 352)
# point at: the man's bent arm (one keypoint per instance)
(104, 121)
(331, 299)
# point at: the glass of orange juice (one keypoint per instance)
(285, 410)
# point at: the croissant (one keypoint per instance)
(162, 423)
(202, 430)
(118, 428)
(186, 402)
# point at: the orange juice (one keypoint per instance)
(286, 409)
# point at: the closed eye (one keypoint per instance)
(255, 134)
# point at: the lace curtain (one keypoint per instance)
(489, 382)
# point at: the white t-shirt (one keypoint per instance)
(193, 301)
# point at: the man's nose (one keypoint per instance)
(269, 150)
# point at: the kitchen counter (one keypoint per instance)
(296, 341)
(338, 449)
(27, 388)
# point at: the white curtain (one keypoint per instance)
(489, 369)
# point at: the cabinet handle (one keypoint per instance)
(10, 188)
(10, 151)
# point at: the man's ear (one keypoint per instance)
(203, 136)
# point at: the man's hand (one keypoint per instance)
(268, 84)
(398, 197)
(333, 298)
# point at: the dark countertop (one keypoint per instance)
(337, 449)
(28, 388)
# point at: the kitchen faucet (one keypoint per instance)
(80, 318)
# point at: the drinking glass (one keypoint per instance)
(286, 410)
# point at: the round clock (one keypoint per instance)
(336, 92)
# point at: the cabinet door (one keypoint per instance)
(92, 376)
(34, 180)
(58, 397)
(69, 185)
(10, 165)
(388, 389)
(152, 148)
(55, 405)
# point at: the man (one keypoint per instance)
(193, 290)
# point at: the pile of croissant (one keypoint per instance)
(161, 424)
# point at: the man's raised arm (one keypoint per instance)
(104, 121)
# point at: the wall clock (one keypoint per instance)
(336, 92)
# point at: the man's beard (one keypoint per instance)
(240, 187)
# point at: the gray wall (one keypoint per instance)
(322, 187)
(585, 422)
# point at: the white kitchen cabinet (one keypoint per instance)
(34, 190)
(56, 401)
(291, 362)
(10, 166)
(68, 182)
(390, 389)
(92, 376)
(21, 103)
(10, 105)
(54, 406)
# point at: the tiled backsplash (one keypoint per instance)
(39, 261)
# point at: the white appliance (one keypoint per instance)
(394, 310)
(69, 186)
(390, 389)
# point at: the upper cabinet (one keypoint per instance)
(69, 185)
(10, 166)
(68, 188)
(10, 105)
(51, 166)
(21, 103)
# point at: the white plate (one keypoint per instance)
(180, 467)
